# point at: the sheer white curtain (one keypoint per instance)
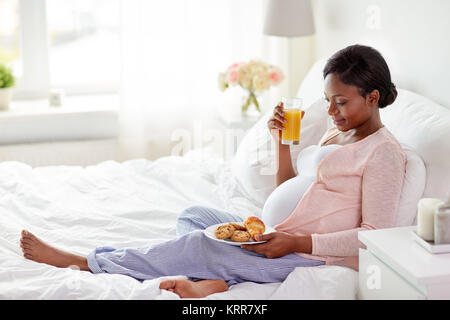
(172, 52)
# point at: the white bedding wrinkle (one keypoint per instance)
(134, 203)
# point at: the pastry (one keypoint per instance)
(254, 226)
(224, 231)
(237, 226)
(240, 236)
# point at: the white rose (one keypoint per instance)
(223, 85)
(261, 82)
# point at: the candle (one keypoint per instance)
(425, 217)
(442, 223)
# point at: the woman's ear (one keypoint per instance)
(372, 98)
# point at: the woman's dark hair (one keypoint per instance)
(365, 68)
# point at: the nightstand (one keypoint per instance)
(394, 266)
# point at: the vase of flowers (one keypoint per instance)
(254, 77)
(6, 84)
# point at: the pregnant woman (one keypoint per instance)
(350, 181)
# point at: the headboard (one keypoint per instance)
(412, 35)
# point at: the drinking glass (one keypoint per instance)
(292, 113)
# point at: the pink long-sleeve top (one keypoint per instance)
(357, 188)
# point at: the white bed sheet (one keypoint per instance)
(134, 203)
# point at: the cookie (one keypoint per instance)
(224, 231)
(238, 226)
(240, 236)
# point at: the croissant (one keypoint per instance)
(254, 226)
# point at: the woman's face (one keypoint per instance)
(347, 107)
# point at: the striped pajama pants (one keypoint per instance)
(196, 256)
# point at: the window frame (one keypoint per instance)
(34, 82)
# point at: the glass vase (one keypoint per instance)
(250, 105)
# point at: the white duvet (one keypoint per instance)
(134, 203)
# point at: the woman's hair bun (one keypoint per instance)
(389, 98)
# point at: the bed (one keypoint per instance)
(136, 203)
(133, 203)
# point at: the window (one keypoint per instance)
(72, 45)
(84, 45)
(9, 32)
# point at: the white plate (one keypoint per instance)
(209, 232)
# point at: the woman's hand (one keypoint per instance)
(280, 244)
(275, 123)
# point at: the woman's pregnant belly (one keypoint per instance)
(283, 200)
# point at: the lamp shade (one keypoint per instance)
(289, 18)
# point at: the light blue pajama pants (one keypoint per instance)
(196, 256)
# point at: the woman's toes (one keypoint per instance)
(26, 241)
(167, 285)
(25, 235)
(182, 288)
(31, 237)
(183, 285)
(26, 247)
(28, 256)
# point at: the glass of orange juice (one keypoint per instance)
(292, 114)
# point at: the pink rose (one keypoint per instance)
(233, 76)
(234, 65)
(275, 76)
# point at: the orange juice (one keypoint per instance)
(291, 134)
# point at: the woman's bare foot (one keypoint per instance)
(191, 289)
(35, 249)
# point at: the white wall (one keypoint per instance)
(412, 35)
(303, 56)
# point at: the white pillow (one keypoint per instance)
(424, 126)
(254, 164)
(312, 87)
(413, 187)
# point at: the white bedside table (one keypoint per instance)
(394, 266)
